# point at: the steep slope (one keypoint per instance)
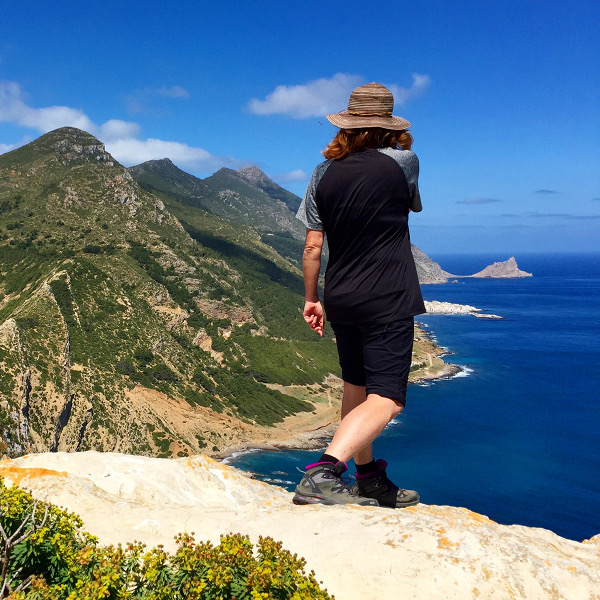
(164, 176)
(247, 204)
(121, 330)
(247, 197)
(428, 270)
(258, 179)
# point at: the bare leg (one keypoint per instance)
(354, 395)
(361, 425)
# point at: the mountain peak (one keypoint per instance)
(72, 143)
(166, 162)
(68, 134)
(257, 178)
(160, 165)
(254, 175)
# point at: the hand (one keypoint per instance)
(313, 315)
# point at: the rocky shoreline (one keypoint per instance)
(317, 434)
(448, 308)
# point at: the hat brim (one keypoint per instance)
(344, 120)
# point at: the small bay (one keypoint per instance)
(516, 435)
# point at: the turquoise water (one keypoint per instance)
(517, 435)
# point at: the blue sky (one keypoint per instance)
(504, 98)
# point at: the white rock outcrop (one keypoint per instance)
(435, 307)
(422, 552)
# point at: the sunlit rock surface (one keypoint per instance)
(503, 270)
(422, 552)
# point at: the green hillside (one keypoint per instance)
(247, 198)
(135, 319)
(258, 179)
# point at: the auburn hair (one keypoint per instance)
(348, 141)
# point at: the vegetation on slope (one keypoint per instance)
(109, 293)
(45, 555)
(247, 198)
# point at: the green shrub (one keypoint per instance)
(37, 540)
(162, 373)
(143, 355)
(125, 367)
(28, 322)
(92, 249)
(55, 560)
(197, 319)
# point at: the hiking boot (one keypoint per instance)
(323, 484)
(378, 487)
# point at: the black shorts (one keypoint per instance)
(377, 356)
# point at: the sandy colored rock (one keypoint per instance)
(503, 270)
(422, 552)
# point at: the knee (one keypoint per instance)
(396, 409)
(388, 406)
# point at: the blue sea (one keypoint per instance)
(516, 435)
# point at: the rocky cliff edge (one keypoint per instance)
(422, 552)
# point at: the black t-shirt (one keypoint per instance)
(363, 203)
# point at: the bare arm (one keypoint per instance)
(311, 266)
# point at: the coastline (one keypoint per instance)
(314, 430)
(435, 307)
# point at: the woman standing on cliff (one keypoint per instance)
(360, 198)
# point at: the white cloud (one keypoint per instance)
(295, 175)
(539, 215)
(323, 96)
(121, 137)
(145, 100)
(14, 110)
(402, 95)
(131, 151)
(114, 129)
(316, 98)
(6, 148)
(175, 91)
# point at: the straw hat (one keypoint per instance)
(370, 105)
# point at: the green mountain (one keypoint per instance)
(246, 197)
(258, 179)
(164, 176)
(142, 319)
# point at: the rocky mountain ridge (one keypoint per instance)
(428, 270)
(259, 179)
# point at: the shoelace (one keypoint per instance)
(344, 483)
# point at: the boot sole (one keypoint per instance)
(301, 500)
(401, 505)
